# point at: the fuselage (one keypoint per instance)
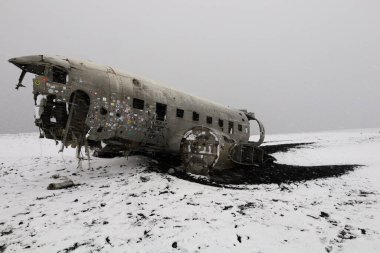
(128, 109)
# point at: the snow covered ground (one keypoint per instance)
(121, 206)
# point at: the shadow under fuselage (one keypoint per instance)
(269, 172)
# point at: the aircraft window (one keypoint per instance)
(180, 113)
(138, 103)
(209, 120)
(220, 123)
(195, 116)
(59, 75)
(160, 111)
(240, 127)
(230, 127)
(135, 81)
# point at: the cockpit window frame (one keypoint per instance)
(59, 78)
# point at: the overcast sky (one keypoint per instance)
(299, 65)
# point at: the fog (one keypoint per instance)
(301, 66)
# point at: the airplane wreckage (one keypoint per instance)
(83, 104)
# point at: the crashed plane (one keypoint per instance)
(83, 104)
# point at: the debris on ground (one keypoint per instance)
(61, 185)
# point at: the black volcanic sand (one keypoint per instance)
(276, 173)
(268, 173)
(270, 149)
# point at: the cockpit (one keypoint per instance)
(55, 69)
(57, 75)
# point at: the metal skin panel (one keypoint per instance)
(111, 117)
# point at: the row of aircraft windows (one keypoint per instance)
(161, 115)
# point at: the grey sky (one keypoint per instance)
(299, 65)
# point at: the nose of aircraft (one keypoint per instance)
(30, 64)
(33, 64)
(18, 61)
(13, 60)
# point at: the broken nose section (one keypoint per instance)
(14, 61)
(33, 64)
(25, 59)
